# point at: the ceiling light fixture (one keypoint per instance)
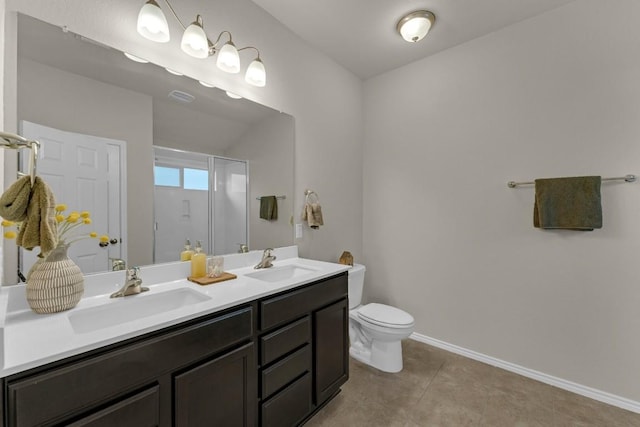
(205, 84)
(414, 26)
(152, 25)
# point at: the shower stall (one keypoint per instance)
(198, 197)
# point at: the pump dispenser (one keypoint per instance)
(199, 262)
(187, 252)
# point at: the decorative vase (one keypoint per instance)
(56, 284)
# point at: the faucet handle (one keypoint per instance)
(133, 273)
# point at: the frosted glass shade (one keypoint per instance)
(256, 74)
(416, 25)
(152, 24)
(194, 40)
(228, 59)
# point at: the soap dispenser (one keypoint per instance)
(199, 262)
(187, 252)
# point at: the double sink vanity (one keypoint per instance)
(268, 348)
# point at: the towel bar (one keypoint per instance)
(16, 142)
(277, 197)
(626, 178)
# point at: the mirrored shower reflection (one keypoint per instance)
(198, 197)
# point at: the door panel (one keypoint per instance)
(84, 172)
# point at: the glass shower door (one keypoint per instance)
(181, 202)
(229, 204)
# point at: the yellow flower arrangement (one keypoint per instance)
(68, 225)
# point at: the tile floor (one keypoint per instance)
(438, 388)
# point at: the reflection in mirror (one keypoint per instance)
(71, 84)
(201, 198)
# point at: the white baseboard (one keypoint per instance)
(589, 392)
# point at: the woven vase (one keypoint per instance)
(56, 284)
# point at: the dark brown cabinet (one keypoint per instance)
(304, 350)
(110, 382)
(272, 362)
(219, 392)
(331, 332)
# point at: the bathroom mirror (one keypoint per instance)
(73, 84)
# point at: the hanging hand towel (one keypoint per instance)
(269, 208)
(568, 203)
(14, 201)
(312, 213)
(40, 227)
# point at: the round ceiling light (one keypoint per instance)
(414, 26)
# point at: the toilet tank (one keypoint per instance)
(356, 284)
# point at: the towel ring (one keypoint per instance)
(310, 193)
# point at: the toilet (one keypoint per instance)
(375, 330)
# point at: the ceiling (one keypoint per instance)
(361, 34)
(213, 121)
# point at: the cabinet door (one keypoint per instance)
(331, 343)
(220, 392)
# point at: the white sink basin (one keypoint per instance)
(131, 308)
(285, 272)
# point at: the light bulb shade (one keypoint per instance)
(256, 74)
(228, 58)
(194, 40)
(416, 25)
(152, 24)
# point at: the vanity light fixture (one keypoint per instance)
(152, 24)
(414, 26)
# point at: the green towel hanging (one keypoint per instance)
(569, 203)
(269, 208)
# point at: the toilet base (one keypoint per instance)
(385, 356)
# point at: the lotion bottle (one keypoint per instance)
(199, 262)
(187, 252)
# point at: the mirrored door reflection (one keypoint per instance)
(196, 196)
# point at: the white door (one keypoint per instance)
(86, 173)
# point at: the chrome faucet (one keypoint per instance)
(133, 284)
(267, 258)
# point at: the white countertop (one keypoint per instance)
(30, 339)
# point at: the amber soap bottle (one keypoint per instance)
(199, 262)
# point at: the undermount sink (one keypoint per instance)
(131, 308)
(285, 272)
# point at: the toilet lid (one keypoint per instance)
(385, 315)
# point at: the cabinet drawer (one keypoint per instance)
(284, 340)
(140, 410)
(282, 308)
(290, 406)
(285, 371)
(63, 392)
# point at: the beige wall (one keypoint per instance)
(65, 101)
(324, 98)
(446, 240)
(268, 148)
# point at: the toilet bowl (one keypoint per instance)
(375, 330)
